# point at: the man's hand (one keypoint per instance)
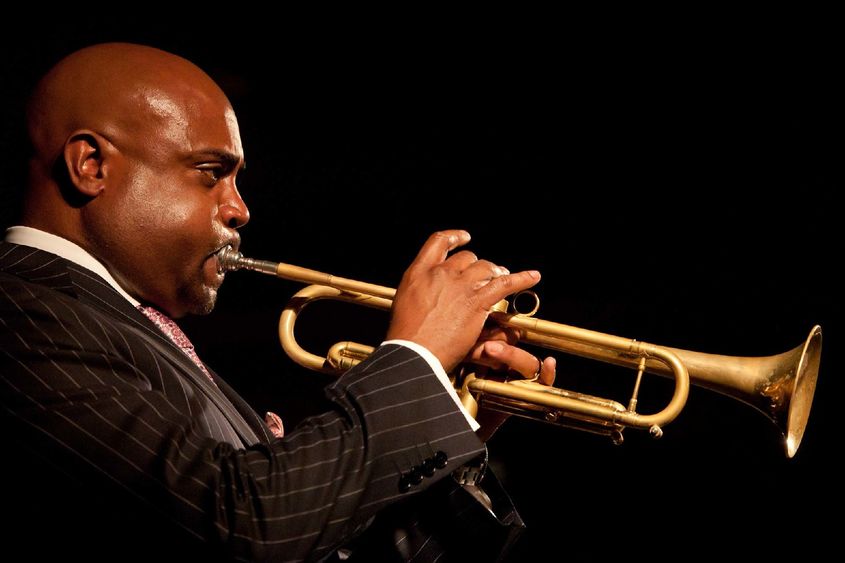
(496, 349)
(443, 301)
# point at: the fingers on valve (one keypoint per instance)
(462, 260)
(501, 286)
(483, 272)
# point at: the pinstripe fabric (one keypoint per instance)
(449, 526)
(120, 426)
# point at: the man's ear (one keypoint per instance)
(85, 157)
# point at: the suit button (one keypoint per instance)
(404, 484)
(428, 467)
(440, 459)
(415, 476)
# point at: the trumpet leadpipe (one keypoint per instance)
(228, 259)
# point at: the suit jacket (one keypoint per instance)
(118, 446)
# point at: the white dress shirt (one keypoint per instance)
(36, 238)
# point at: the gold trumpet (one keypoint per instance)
(780, 386)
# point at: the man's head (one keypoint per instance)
(135, 154)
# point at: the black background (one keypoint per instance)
(676, 187)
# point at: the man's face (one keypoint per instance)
(172, 202)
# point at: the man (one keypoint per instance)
(120, 443)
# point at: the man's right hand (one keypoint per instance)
(443, 301)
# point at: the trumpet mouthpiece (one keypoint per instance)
(228, 260)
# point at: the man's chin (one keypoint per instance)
(200, 303)
(206, 306)
(204, 310)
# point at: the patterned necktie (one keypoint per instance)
(169, 327)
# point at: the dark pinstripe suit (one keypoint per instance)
(115, 440)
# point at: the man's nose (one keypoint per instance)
(233, 211)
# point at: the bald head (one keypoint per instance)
(116, 89)
(136, 150)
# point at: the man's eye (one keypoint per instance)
(213, 173)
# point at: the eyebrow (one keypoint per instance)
(229, 159)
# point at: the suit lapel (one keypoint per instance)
(62, 275)
(256, 423)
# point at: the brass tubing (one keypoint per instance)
(332, 362)
(230, 260)
(780, 386)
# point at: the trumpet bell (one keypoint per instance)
(802, 389)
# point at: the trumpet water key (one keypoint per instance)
(780, 386)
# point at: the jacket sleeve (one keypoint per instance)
(91, 403)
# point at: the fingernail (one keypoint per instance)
(495, 347)
(534, 274)
(504, 271)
